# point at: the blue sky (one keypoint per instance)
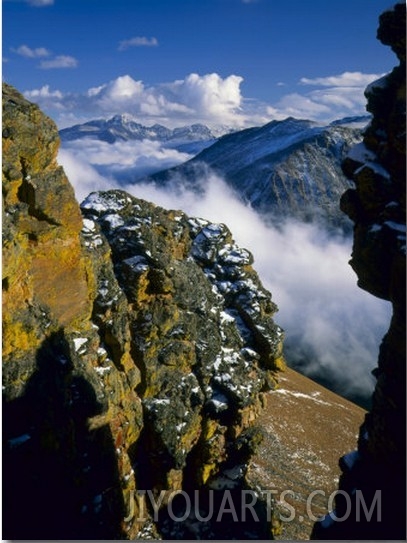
(230, 62)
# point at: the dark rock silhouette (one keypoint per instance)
(56, 470)
(376, 472)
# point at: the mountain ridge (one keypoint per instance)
(125, 127)
(289, 168)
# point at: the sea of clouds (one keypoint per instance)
(333, 329)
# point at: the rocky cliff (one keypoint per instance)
(375, 473)
(138, 344)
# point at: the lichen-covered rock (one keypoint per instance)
(377, 205)
(53, 459)
(46, 284)
(201, 332)
(43, 267)
(137, 344)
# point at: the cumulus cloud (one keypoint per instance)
(138, 41)
(28, 52)
(46, 97)
(209, 99)
(122, 88)
(333, 329)
(44, 93)
(60, 61)
(210, 94)
(347, 79)
(335, 97)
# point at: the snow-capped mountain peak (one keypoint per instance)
(125, 127)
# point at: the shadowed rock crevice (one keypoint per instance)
(26, 194)
(57, 469)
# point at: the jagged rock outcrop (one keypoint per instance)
(376, 473)
(138, 344)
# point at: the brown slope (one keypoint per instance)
(306, 428)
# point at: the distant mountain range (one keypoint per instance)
(189, 139)
(289, 168)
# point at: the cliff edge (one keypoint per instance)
(374, 476)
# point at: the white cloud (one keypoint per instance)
(138, 41)
(338, 96)
(209, 99)
(299, 106)
(109, 165)
(125, 94)
(82, 175)
(27, 52)
(44, 93)
(60, 61)
(347, 79)
(121, 88)
(210, 95)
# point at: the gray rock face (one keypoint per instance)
(289, 168)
